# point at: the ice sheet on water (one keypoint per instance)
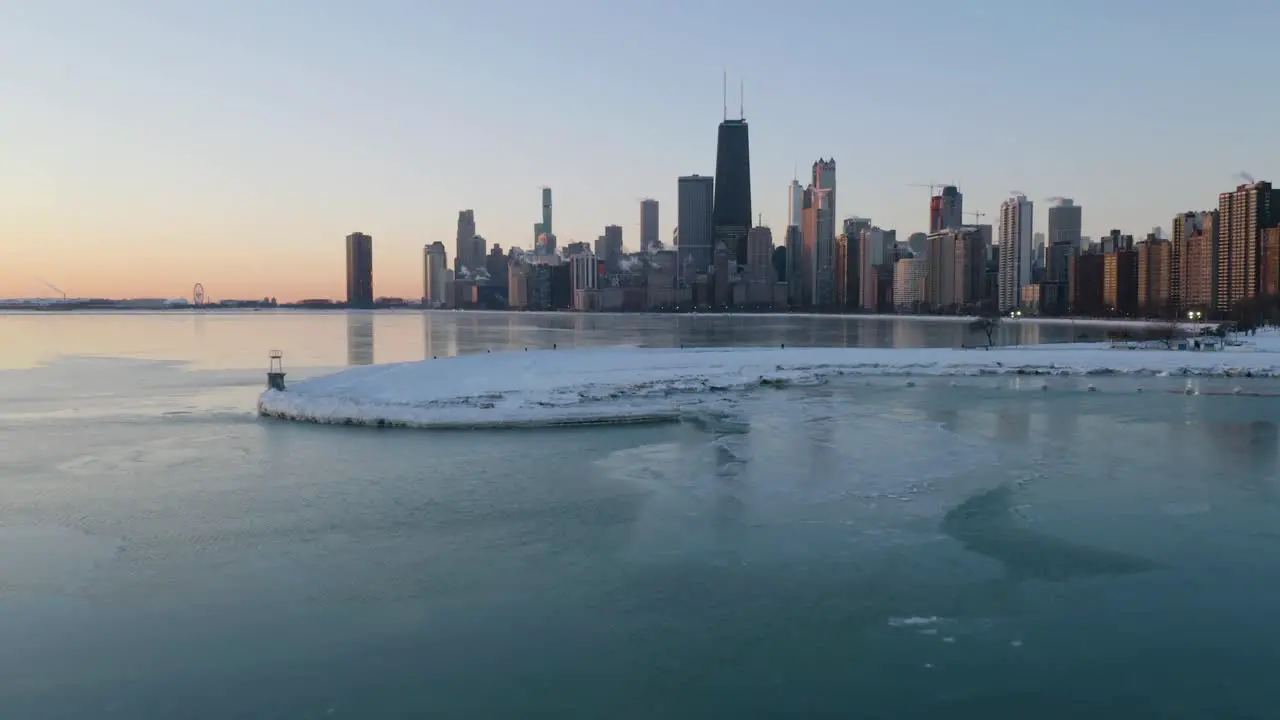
(618, 385)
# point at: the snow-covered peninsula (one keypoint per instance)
(618, 385)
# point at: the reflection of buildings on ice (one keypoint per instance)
(1062, 415)
(908, 334)
(1027, 333)
(876, 334)
(1013, 421)
(359, 338)
(1253, 445)
(439, 335)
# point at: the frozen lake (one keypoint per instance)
(964, 547)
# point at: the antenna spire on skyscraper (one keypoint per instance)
(724, 94)
(742, 114)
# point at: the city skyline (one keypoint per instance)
(242, 171)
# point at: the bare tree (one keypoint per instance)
(987, 322)
(1170, 331)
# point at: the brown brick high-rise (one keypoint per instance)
(1244, 215)
(1153, 277)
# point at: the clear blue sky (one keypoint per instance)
(236, 142)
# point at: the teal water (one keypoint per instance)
(862, 550)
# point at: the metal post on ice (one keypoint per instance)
(275, 371)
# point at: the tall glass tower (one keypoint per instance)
(733, 187)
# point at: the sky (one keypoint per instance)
(147, 145)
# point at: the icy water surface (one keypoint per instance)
(864, 548)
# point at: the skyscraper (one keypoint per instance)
(543, 225)
(435, 274)
(695, 203)
(732, 211)
(1064, 243)
(1065, 222)
(853, 226)
(359, 270)
(823, 202)
(612, 254)
(1015, 250)
(946, 210)
(759, 260)
(462, 251)
(824, 178)
(795, 203)
(648, 225)
(546, 210)
(794, 276)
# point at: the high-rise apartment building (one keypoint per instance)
(1015, 251)
(359, 270)
(695, 203)
(1153, 276)
(1270, 271)
(1085, 289)
(946, 209)
(1243, 216)
(909, 283)
(1120, 281)
(955, 269)
(464, 248)
(1192, 276)
(649, 241)
(1184, 226)
(732, 211)
(435, 275)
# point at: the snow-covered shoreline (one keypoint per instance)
(873, 317)
(627, 385)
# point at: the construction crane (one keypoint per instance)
(977, 216)
(53, 287)
(932, 186)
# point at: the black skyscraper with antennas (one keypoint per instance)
(732, 213)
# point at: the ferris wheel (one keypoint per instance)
(197, 295)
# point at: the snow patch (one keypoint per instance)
(914, 621)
